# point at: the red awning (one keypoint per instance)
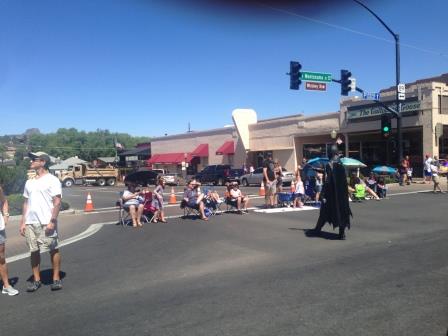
(169, 158)
(200, 151)
(228, 148)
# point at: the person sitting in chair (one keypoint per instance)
(237, 198)
(133, 201)
(359, 193)
(194, 199)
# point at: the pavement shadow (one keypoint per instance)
(310, 233)
(46, 276)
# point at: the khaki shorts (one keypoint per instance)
(37, 237)
(270, 188)
(435, 178)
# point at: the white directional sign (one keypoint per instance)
(401, 96)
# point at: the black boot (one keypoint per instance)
(342, 234)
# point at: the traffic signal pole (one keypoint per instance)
(397, 79)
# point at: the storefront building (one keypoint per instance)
(356, 129)
(424, 110)
(192, 151)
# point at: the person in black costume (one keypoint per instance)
(335, 208)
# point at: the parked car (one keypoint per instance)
(219, 174)
(257, 176)
(172, 179)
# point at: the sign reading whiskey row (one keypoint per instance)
(315, 86)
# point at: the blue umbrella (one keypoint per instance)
(352, 163)
(318, 161)
(384, 170)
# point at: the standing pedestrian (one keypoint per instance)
(4, 217)
(427, 169)
(40, 218)
(403, 170)
(251, 169)
(157, 201)
(269, 181)
(435, 177)
(408, 170)
(335, 208)
(278, 176)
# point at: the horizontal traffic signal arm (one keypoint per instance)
(394, 113)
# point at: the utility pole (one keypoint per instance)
(397, 80)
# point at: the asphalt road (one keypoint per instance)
(257, 274)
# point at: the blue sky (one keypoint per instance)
(149, 67)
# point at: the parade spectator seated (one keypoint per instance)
(237, 199)
(133, 201)
(212, 199)
(194, 199)
(371, 181)
(381, 188)
(352, 189)
(359, 193)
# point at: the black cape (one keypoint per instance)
(335, 208)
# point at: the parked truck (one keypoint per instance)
(84, 174)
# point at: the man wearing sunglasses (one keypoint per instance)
(39, 218)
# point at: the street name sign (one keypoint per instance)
(315, 76)
(371, 95)
(315, 86)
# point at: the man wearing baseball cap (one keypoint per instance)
(39, 223)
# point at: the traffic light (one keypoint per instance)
(386, 125)
(294, 73)
(345, 82)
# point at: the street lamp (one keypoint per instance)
(333, 134)
(397, 78)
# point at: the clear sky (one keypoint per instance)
(149, 67)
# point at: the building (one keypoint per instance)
(290, 138)
(425, 107)
(192, 151)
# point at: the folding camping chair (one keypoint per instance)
(285, 199)
(124, 216)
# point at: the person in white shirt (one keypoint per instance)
(4, 217)
(427, 168)
(237, 198)
(39, 218)
(299, 193)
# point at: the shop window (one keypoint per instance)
(354, 150)
(443, 104)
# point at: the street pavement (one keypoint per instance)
(256, 274)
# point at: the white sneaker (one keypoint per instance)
(10, 291)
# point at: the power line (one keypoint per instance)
(358, 32)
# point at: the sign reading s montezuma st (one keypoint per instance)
(409, 107)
